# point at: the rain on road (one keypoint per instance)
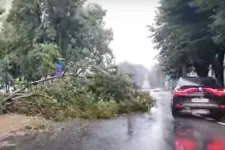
(156, 130)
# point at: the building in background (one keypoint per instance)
(145, 85)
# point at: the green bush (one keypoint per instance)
(108, 86)
(100, 96)
(141, 102)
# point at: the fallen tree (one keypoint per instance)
(97, 95)
(18, 93)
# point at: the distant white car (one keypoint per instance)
(156, 90)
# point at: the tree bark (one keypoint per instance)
(28, 85)
(218, 67)
(221, 70)
(184, 70)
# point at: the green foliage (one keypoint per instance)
(189, 35)
(140, 103)
(110, 86)
(70, 30)
(66, 98)
(35, 34)
(44, 56)
(2, 10)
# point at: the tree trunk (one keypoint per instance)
(218, 67)
(184, 70)
(221, 70)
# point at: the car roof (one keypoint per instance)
(203, 81)
(189, 77)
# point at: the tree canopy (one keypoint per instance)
(36, 33)
(189, 35)
(35, 36)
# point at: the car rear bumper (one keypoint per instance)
(204, 106)
(208, 108)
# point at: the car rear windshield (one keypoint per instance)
(203, 82)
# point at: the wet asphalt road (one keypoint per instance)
(151, 131)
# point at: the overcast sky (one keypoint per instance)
(128, 19)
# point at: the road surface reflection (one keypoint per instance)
(156, 130)
(188, 138)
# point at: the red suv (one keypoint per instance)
(197, 95)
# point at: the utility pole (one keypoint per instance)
(184, 70)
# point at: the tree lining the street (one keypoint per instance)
(189, 35)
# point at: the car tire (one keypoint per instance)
(175, 112)
(221, 117)
(218, 115)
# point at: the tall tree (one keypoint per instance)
(183, 35)
(217, 27)
(47, 29)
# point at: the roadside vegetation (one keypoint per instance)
(34, 36)
(101, 95)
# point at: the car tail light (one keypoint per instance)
(178, 106)
(216, 145)
(218, 92)
(180, 92)
(222, 106)
(183, 143)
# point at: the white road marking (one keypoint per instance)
(197, 115)
(221, 123)
(210, 119)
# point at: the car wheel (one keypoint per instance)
(221, 117)
(175, 112)
(218, 115)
